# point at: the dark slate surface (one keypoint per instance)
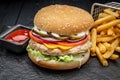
(15, 66)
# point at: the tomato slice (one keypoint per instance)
(74, 44)
(35, 38)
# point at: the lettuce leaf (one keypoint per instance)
(63, 58)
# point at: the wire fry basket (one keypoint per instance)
(98, 8)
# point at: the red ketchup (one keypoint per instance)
(18, 36)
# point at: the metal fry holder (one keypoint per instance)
(98, 8)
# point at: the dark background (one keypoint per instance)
(18, 66)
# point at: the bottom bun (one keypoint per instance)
(60, 65)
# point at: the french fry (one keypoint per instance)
(111, 12)
(118, 25)
(103, 32)
(119, 12)
(107, 45)
(114, 56)
(110, 9)
(106, 39)
(102, 48)
(108, 25)
(101, 15)
(104, 19)
(110, 52)
(117, 30)
(92, 53)
(103, 61)
(93, 39)
(117, 49)
(99, 35)
(110, 32)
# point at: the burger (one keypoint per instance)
(60, 37)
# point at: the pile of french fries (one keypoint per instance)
(105, 36)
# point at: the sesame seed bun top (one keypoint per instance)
(63, 19)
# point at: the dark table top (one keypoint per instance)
(19, 67)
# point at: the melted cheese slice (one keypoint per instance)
(53, 46)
